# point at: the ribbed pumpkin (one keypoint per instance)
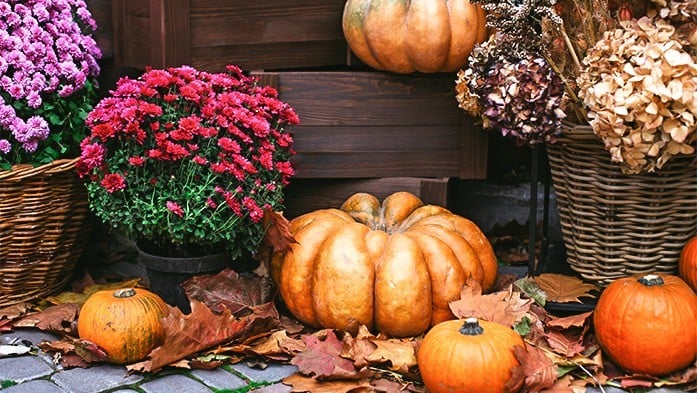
(648, 324)
(687, 264)
(125, 323)
(470, 357)
(393, 267)
(413, 35)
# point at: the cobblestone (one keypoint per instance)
(36, 386)
(24, 368)
(94, 379)
(175, 383)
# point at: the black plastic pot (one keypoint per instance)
(166, 274)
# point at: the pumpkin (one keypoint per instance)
(474, 356)
(687, 264)
(125, 323)
(648, 324)
(418, 35)
(393, 267)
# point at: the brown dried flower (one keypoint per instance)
(640, 88)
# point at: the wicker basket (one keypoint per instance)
(615, 225)
(44, 227)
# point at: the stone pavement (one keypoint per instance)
(38, 374)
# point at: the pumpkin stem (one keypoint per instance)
(471, 327)
(124, 293)
(651, 280)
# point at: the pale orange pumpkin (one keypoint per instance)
(125, 323)
(393, 267)
(687, 265)
(417, 35)
(648, 324)
(468, 356)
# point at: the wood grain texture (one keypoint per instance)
(375, 124)
(274, 34)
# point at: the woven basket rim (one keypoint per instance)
(23, 171)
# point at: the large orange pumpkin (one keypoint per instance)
(648, 324)
(125, 323)
(470, 357)
(393, 267)
(417, 35)
(687, 265)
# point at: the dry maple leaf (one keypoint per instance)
(505, 307)
(307, 384)
(368, 350)
(61, 319)
(535, 373)
(563, 289)
(322, 358)
(277, 235)
(186, 335)
(228, 289)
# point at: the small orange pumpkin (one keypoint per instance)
(124, 323)
(648, 324)
(687, 264)
(474, 356)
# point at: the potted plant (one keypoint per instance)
(608, 87)
(48, 78)
(185, 163)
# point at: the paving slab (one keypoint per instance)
(174, 383)
(275, 388)
(273, 373)
(36, 386)
(34, 336)
(94, 379)
(24, 368)
(219, 378)
(612, 389)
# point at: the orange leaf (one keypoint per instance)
(535, 372)
(308, 384)
(563, 289)
(186, 335)
(505, 307)
(277, 234)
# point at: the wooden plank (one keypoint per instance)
(343, 139)
(371, 98)
(474, 150)
(170, 33)
(376, 164)
(306, 195)
(130, 23)
(269, 56)
(102, 13)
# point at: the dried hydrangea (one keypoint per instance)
(683, 15)
(640, 88)
(518, 97)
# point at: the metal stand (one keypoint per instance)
(536, 267)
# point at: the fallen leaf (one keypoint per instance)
(308, 384)
(322, 359)
(529, 287)
(398, 353)
(61, 318)
(277, 235)
(276, 344)
(505, 307)
(384, 385)
(186, 335)
(228, 289)
(563, 289)
(13, 349)
(14, 311)
(575, 320)
(81, 297)
(535, 372)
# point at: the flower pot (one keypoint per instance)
(166, 274)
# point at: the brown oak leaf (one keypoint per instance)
(563, 288)
(277, 235)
